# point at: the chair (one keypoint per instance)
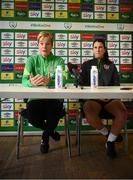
(104, 115)
(76, 115)
(22, 114)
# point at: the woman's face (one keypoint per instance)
(45, 46)
(98, 50)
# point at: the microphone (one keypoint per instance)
(73, 69)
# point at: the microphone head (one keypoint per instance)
(72, 67)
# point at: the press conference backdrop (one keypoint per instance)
(75, 23)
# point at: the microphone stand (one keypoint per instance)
(76, 84)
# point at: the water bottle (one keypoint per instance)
(94, 77)
(58, 77)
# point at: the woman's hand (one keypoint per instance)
(39, 80)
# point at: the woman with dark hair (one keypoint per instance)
(107, 76)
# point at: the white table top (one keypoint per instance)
(18, 91)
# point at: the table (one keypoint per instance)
(18, 91)
(109, 92)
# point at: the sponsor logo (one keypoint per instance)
(47, 14)
(19, 100)
(19, 67)
(73, 36)
(74, 14)
(18, 75)
(47, 6)
(21, 13)
(125, 45)
(86, 37)
(7, 123)
(100, 36)
(32, 35)
(101, 8)
(74, 7)
(20, 52)
(125, 76)
(21, 5)
(61, 52)
(5, 51)
(74, 1)
(112, 8)
(60, 1)
(35, 14)
(87, 15)
(7, 13)
(7, 114)
(7, 5)
(20, 43)
(113, 1)
(125, 8)
(7, 106)
(61, 36)
(6, 43)
(7, 60)
(61, 14)
(33, 44)
(87, 8)
(125, 68)
(33, 51)
(7, 76)
(76, 60)
(100, 15)
(7, 100)
(61, 44)
(20, 35)
(87, 52)
(20, 60)
(113, 37)
(61, 6)
(126, 60)
(87, 1)
(19, 105)
(125, 16)
(7, 67)
(126, 2)
(113, 52)
(68, 25)
(113, 16)
(74, 44)
(6, 35)
(120, 27)
(114, 60)
(35, 6)
(125, 37)
(74, 52)
(87, 45)
(13, 24)
(113, 45)
(125, 52)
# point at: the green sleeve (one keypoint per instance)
(26, 74)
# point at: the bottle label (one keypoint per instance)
(58, 78)
(94, 78)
